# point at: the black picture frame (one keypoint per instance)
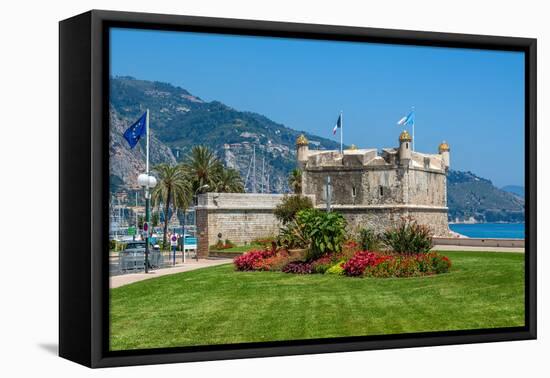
(83, 181)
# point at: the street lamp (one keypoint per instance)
(147, 182)
(205, 186)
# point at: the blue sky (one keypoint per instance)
(473, 99)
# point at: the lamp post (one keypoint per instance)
(329, 194)
(195, 203)
(147, 182)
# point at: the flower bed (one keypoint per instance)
(349, 262)
(253, 260)
(373, 264)
(410, 266)
(357, 265)
(298, 267)
(220, 245)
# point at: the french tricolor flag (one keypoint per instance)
(338, 124)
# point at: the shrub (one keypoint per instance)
(336, 268)
(116, 246)
(440, 264)
(298, 267)
(274, 263)
(264, 241)
(219, 245)
(368, 240)
(228, 244)
(252, 260)
(286, 211)
(291, 236)
(322, 264)
(410, 266)
(325, 231)
(349, 249)
(408, 237)
(356, 266)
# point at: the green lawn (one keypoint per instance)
(218, 305)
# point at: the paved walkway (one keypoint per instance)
(125, 279)
(476, 249)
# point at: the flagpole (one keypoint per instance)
(341, 132)
(147, 144)
(414, 121)
(147, 194)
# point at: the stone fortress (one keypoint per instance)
(374, 190)
(371, 189)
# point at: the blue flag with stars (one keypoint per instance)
(136, 131)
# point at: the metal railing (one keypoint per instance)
(134, 262)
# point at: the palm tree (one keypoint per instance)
(203, 167)
(295, 181)
(173, 189)
(229, 181)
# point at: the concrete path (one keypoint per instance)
(125, 279)
(476, 249)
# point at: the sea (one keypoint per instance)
(490, 230)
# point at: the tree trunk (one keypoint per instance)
(166, 217)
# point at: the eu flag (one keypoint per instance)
(136, 131)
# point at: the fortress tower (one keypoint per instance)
(444, 151)
(302, 150)
(374, 189)
(405, 148)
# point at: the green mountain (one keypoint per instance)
(243, 140)
(515, 189)
(472, 198)
(262, 150)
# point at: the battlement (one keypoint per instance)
(370, 158)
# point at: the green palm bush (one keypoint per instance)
(368, 240)
(229, 181)
(326, 231)
(295, 181)
(173, 190)
(203, 168)
(408, 237)
(206, 171)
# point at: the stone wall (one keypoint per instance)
(238, 217)
(379, 218)
(427, 187)
(242, 217)
(377, 186)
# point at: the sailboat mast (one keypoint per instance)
(263, 173)
(254, 169)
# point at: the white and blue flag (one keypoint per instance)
(338, 125)
(408, 120)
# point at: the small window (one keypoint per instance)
(407, 145)
(353, 191)
(381, 191)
